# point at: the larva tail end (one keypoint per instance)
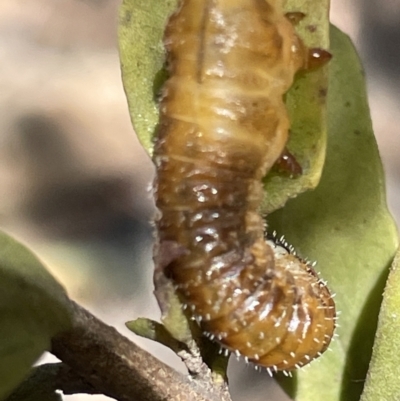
(316, 58)
(288, 165)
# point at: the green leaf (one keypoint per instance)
(33, 308)
(383, 376)
(141, 28)
(344, 225)
(38, 386)
(155, 331)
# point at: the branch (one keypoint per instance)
(116, 367)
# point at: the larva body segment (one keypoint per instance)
(223, 124)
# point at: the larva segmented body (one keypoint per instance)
(223, 124)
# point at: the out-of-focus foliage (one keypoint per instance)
(33, 308)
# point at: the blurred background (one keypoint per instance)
(75, 183)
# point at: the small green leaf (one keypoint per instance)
(33, 308)
(142, 54)
(155, 331)
(383, 376)
(344, 224)
(173, 317)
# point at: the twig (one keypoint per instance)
(116, 367)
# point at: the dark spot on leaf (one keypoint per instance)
(127, 18)
(322, 93)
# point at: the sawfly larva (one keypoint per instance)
(223, 124)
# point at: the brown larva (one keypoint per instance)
(223, 124)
